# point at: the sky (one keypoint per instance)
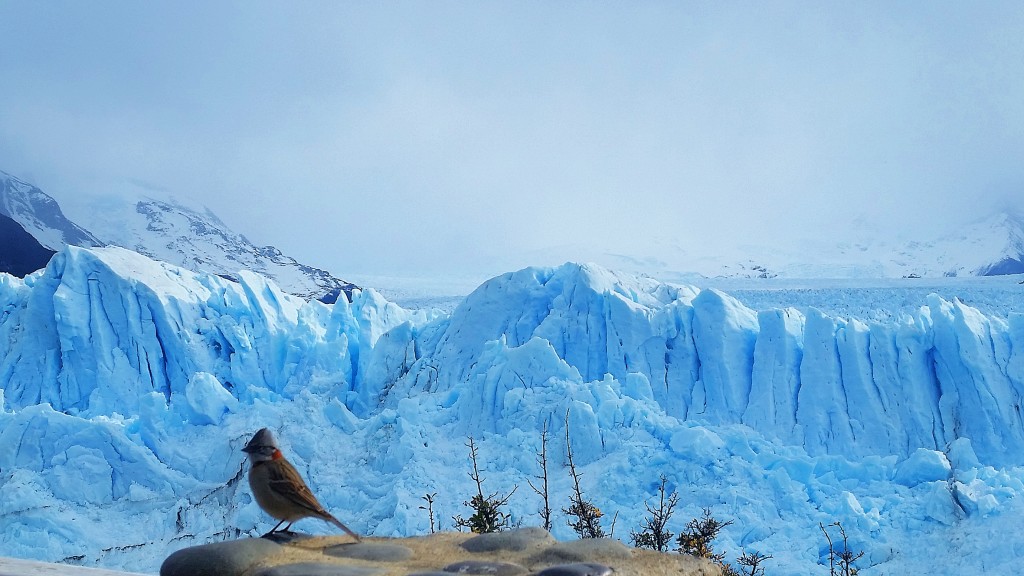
(441, 137)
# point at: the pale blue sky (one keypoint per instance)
(484, 136)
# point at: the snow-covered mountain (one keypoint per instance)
(40, 215)
(990, 246)
(129, 387)
(195, 238)
(1008, 231)
(170, 231)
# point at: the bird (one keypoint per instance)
(279, 489)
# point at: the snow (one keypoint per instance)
(39, 215)
(191, 236)
(129, 387)
(994, 244)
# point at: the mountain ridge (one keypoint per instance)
(167, 230)
(197, 239)
(1012, 261)
(201, 237)
(993, 245)
(40, 215)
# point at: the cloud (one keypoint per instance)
(446, 136)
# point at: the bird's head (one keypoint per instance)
(262, 447)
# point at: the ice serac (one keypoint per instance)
(724, 333)
(110, 319)
(822, 403)
(775, 372)
(99, 329)
(979, 400)
(572, 307)
(832, 385)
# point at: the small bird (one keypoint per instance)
(278, 488)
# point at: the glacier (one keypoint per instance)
(128, 387)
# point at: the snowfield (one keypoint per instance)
(129, 387)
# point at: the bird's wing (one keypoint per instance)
(286, 481)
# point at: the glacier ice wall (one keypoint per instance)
(831, 385)
(129, 386)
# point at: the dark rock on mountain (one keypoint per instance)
(20, 253)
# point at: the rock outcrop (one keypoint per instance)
(523, 552)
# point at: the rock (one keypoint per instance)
(319, 569)
(513, 541)
(582, 551)
(518, 553)
(220, 558)
(372, 551)
(485, 567)
(577, 569)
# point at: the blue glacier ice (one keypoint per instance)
(128, 387)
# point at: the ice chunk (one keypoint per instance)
(961, 454)
(84, 474)
(208, 399)
(923, 466)
(697, 443)
(974, 499)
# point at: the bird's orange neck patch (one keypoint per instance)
(276, 455)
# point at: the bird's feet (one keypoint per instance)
(280, 535)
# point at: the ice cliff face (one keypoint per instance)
(129, 387)
(111, 320)
(831, 385)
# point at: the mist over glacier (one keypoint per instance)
(130, 386)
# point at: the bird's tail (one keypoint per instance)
(338, 523)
